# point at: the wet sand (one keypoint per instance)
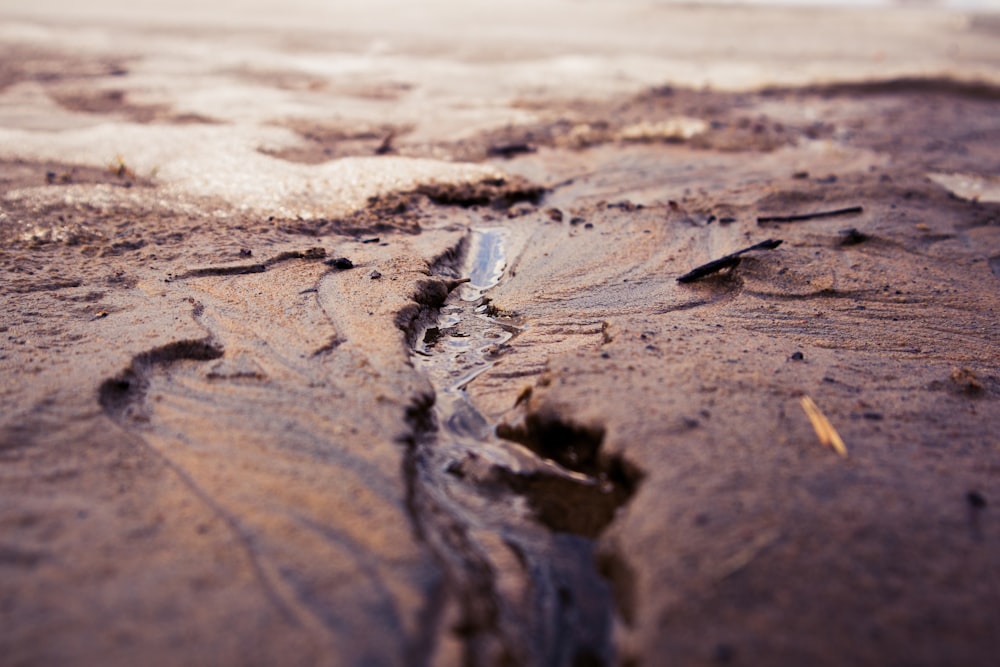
(360, 344)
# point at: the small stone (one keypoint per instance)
(975, 500)
(340, 263)
(851, 236)
(374, 275)
(797, 356)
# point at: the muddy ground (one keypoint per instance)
(466, 413)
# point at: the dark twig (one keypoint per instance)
(511, 149)
(729, 260)
(237, 270)
(852, 210)
(386, 146)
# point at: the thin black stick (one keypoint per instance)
(729, 260)
(852, 210)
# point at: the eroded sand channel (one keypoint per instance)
(514, 530)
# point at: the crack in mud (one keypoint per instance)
(122, 396)
(308, 254)
(513, 525)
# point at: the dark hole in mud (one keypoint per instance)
(432, 336)
(573, 446)
(569, 506)
(115, 394)
(564, 504)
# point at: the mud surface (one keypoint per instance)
(439, 397)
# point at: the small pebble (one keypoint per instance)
(797, 356)
(975, 500)
(340, 263)
(851, 236)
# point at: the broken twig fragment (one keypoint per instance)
(851, 210)
(827, 435)
(231, 270)
(509, 150)
(729, 260)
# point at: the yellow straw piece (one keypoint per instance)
(824, 429)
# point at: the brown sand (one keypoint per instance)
(219, 445)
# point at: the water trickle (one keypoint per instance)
(485, 504)
(486, 261)
(466, 340)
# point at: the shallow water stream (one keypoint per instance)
(527, 593)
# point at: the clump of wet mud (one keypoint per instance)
(406, 212)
